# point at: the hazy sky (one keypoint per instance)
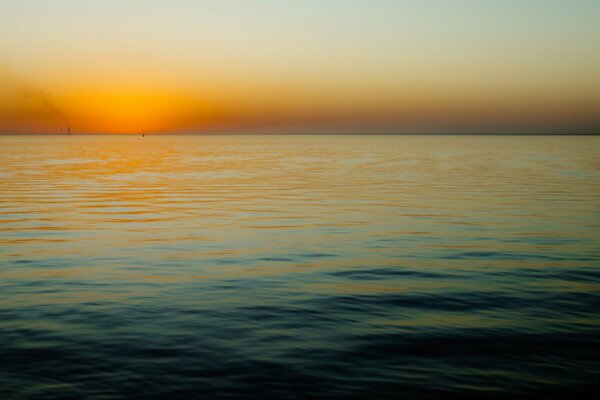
(300, 66)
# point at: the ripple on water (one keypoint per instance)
(299, 267)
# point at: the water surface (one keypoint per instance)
(299, 267)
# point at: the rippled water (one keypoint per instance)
(299, 267)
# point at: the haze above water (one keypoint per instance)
(299, 267)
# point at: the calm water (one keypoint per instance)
(299, 267)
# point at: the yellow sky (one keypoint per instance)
(313, 66)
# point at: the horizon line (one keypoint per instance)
(308, 134)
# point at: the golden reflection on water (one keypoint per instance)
(222, 197)
(198, 198)
(363, 260)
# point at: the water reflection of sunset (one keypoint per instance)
(179, 256)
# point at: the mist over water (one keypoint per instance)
(299, 267)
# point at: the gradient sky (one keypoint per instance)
(357, 66)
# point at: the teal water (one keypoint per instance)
(299, 267)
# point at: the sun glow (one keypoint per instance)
(124, 111)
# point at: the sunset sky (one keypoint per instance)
(331, 66)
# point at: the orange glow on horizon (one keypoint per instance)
(123, 110)
(146, 107)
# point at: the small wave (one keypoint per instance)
(505, 255)
(383, 273)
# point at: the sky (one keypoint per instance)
(310, 66)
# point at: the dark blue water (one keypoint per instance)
(299, 267)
